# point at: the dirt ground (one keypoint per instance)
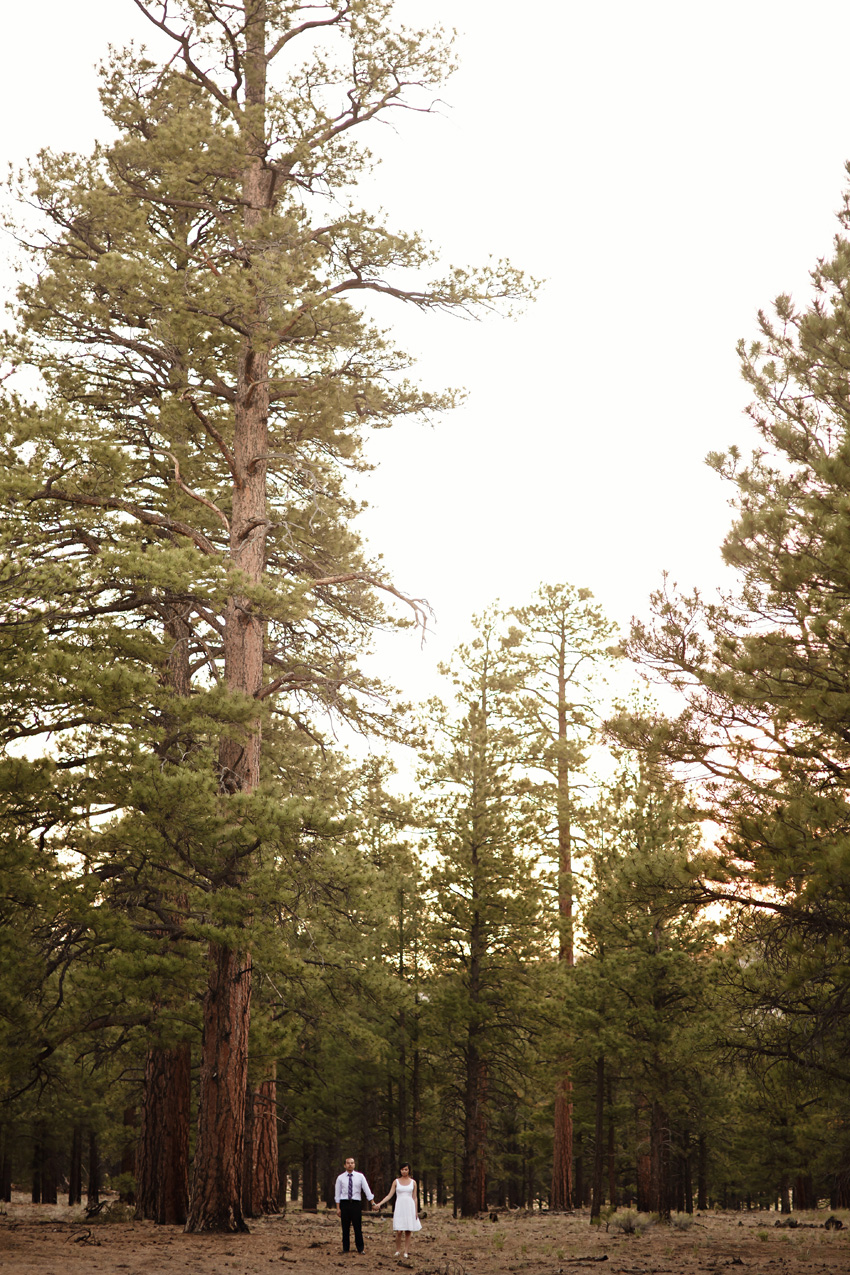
(55, 1240)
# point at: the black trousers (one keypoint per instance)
(351, 1214)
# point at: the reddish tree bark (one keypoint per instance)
(248, 1156)
(562, 1158)
(266, 1190)
(474, 1165)
(162, 1159)
(217, 1177)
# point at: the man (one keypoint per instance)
(351, 1186)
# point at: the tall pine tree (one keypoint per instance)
(180, 572)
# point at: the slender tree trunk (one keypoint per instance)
(785, 1194)
(561, 1196)
(248, 1156)
(49, 1174)
(162, 1180)
(644, 1165)
(404, 1150)
(416, 1076)
(659, 1191)
(391, 1128)
(612, 1152)
(454, 1179)
(598, 1148)
(75, 1170)
(473, 1167)
(688, 1184)
(266, 1167)
(309, 1180)
(416, 1147)
(562, 1164)
(804, 1192)
(702, 1173)
(93, 1188)
(37, 1163)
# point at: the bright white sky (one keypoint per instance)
(667, 168)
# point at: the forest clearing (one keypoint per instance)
(539, 1244)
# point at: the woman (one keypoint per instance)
(405, 1214)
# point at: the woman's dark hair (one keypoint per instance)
(405, 1164)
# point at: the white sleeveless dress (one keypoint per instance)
(404, 1213)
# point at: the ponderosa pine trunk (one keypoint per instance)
(162, 1179)
(391, 1127)
(309, 1179)
(686, 1173)
(561, 1195)
(267, 1167)
(248, 1156)
(217, 1176)
(659, 1187)
(416, 1142)
(402, 1038)
(599, 1148)
(35, 1184)
(702, 1173)
(643, 1165)
(612, 1151)
(75, 1167)
(474, 1165)
(216, 1183)
(93, 1188)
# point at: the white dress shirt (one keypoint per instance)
(358, 1185)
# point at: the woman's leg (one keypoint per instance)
(406, 1243)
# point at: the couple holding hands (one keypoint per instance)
(352, 1186)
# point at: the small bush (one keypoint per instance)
(631, 1223)
(681, 1221)
(117, 1211)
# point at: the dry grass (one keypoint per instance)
(55, 1240)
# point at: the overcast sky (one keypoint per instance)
(667, 168)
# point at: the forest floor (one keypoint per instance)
(55, 1240)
